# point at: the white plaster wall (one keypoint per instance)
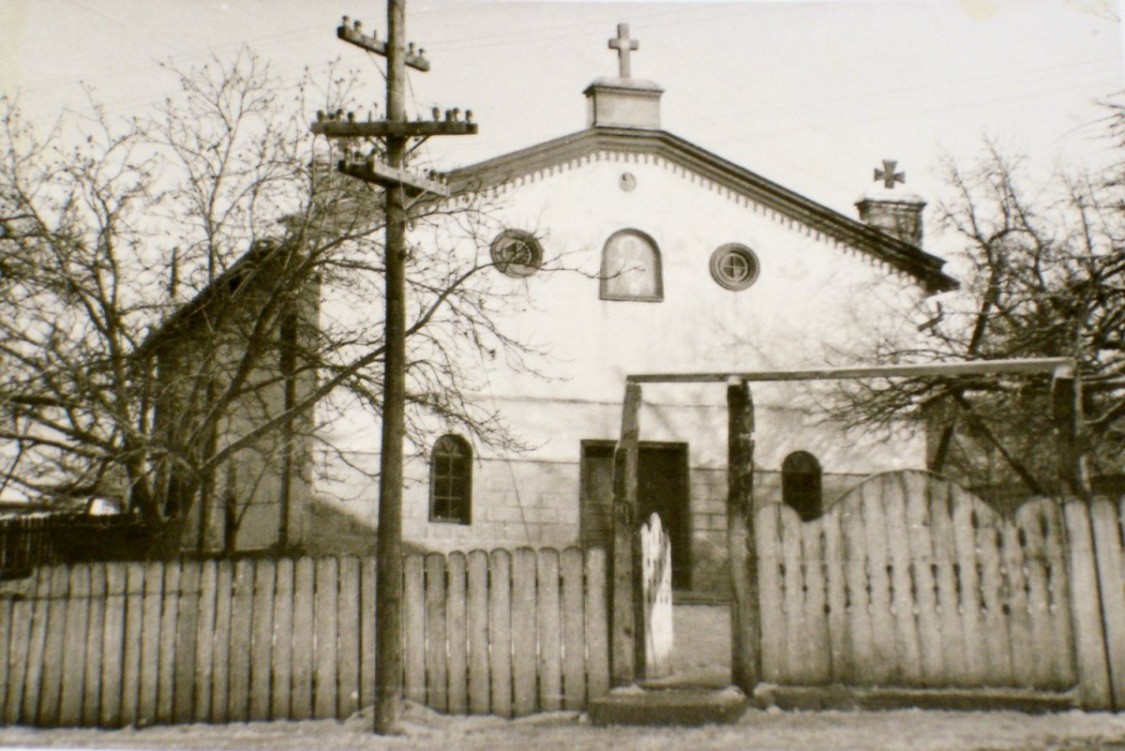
(814, 303)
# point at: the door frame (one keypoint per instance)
(684, 542)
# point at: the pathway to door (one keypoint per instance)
(701, 651)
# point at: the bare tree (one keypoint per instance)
(160, 282)
(1044, 279)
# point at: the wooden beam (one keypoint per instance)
(745, 618)
(976, 367)
(622, 582)
(392, 128)
(373, 171)
(352, 35)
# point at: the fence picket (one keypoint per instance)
(903, 602)
(134, 644)
(839, 638)
(500, 631)
(347, 624)
(476, 623)
(549, 627)
(792, 584)
(437, 674)
(1107, 546)
(997, 633)
(948, 595)
(884, 669)
(923, 570)
(187, 632)
(95, 639)
(458, 657)
(50, 688)
(205, 630)
(414, 628)
(33, 680)
(1062, 633)
(150, 643)
(7, 635)
(1030, 520)
(367, 632)
(324, 625)
(73, 648)
(524, 636)
(261, 640)
(113, 643)
(1019, 618)
(1094, 687)
(224, 614)
(166, 663)
(815, 604)
(965, 517)
(859, 615)
(573, 630)
(304, 592)
(597, 625)
(281, 658)
(241, 640)
(23, 608)
(767, 533)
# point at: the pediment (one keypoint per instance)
(572, 151)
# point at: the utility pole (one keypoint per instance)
(396, 132)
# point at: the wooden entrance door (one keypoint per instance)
(662, 487)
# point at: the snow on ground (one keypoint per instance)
(910, 730)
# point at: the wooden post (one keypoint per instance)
(623, 581)
(745, 619)
(1066, 402)
(388, 570)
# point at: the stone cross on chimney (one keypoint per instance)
(623, 101)
(888, 174)
(896, 212)
(625, 47)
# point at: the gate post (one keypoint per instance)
(1066, 404)
(623, 582)
(745, 619)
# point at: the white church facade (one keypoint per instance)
(666, 258)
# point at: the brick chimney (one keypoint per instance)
(624, 101)
(898, 212)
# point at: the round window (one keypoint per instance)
(734, 266)
(517, 253)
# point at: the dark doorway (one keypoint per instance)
(662, 476)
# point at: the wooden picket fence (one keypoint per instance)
(910, 581)
(114, 644)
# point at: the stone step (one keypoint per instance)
(669, 706)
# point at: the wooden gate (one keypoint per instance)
(911, 581)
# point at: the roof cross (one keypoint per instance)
(624, 46)
(888, 174)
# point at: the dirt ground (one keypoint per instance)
(702, 656)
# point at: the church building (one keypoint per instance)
(674, 260)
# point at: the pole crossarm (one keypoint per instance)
(392, 128)
(1060, 367)
(352, 35)
(374, 171)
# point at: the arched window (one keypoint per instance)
(631, 268)
(800, 484)
(451, 480)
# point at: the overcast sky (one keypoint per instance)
(811, 95)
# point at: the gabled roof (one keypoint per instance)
(558, 152)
